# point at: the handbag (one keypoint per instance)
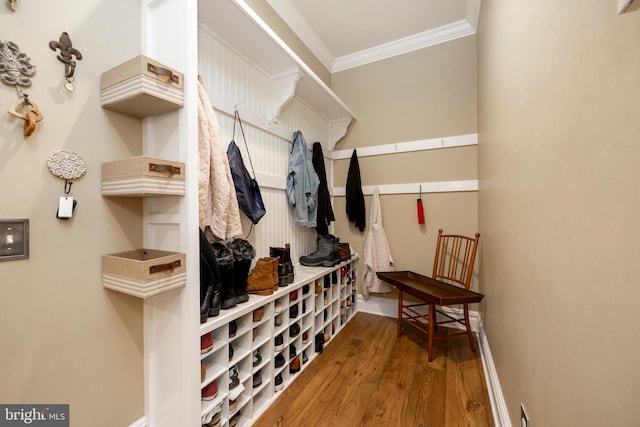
(247, 188)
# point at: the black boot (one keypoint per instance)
(243, 254)
(225, 261)
(326, 254)
(206, 290)
(288, 264)
(282, 268)
(209, 281)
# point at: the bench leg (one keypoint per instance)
(432, 317)
(468, 325)
(399, 314)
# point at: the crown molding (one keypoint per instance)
(473, 13)
(404, 45)
(455, 30)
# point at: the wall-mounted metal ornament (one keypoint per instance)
(15, 68)
(16, 71)
(66, 56)
(66, 165)
(12, 4)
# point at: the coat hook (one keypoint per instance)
(67, 55)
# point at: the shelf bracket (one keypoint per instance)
(338, 130)
(282, 90)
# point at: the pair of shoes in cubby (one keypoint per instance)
(206, 343)
(210, 391)
(212, 418)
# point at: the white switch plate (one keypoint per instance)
(14, 239)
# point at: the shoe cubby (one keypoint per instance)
(274, 326)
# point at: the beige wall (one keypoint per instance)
(559, 95)
(64, 338)
(424, 94)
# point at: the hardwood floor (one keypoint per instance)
(368, 377)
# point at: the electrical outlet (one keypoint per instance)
(524, 418)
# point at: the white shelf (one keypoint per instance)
(235, 24)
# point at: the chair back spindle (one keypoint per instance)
(454, 259)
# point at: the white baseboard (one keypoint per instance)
(389, 308)
(498, 405)
(141, 422)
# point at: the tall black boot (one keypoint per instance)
(243, 254)
(209, 278)
(288, 264)
(206, 289)
(224, 258)
(282, 268)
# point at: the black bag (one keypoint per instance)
(247, 189)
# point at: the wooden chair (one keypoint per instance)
(453, 265)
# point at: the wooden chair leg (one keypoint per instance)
(399, 314)
(432, 316)
(468, 325)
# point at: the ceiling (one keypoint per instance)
(348, 33)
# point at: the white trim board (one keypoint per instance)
(498, 404)
(452, 31)
(443, 34)
(408, 146)
(415, 188)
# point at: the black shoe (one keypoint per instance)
(293, 311)
(319, 342)
(234, 381)
(279, 343)
(257, 379)
(294, 330)
(279, 360)
(230, 352)
(233, 328)
(292, 351)
(278, 383)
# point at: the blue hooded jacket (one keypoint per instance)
(302, 183)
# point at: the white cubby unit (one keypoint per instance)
(291, 318)
(245, 67)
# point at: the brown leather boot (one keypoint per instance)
(260, 280)
(274, 265)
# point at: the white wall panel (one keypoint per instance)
(231, 79)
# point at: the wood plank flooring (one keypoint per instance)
(368, 377)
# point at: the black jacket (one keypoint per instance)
(325, 211)
(355, 198)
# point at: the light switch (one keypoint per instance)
(14, 239)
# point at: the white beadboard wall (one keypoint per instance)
(231, 81)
